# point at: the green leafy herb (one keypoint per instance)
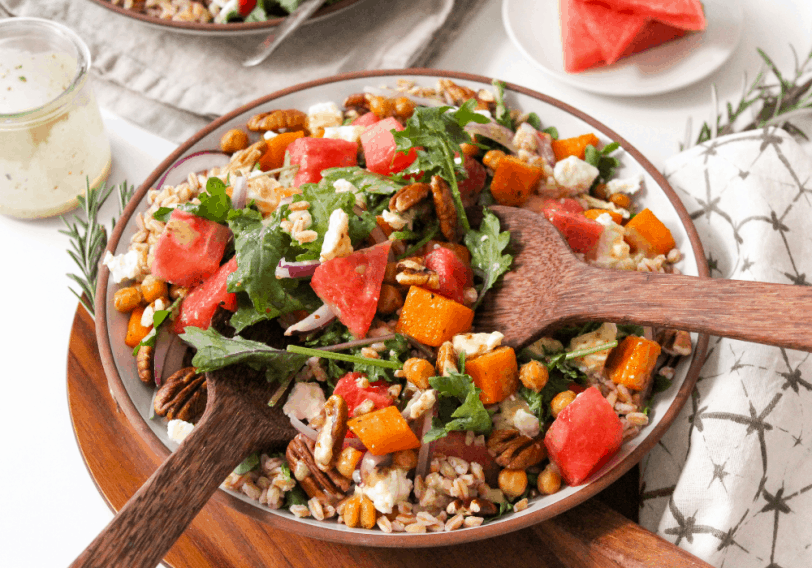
(624, 330)
(661, 383)
(502, 113)
(88, 238)
(259, 246)
(335, 334)
(777, 102)
(552, 131)
(295, 496)
(601, 159)
(436, 133)
(158, 318)
(534, 120)
(539, 402)
(343, 357)
(397, 351)
(459, 407)
(487, 246)
(214, 351)
(364, 180)
(422, 242)
(247, 464)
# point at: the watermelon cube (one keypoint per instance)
(314, 155)
(189, 250)
(351, 286)
(379, 148)
(585, 435)
(199, 306)
(581, 232)
(454, 275)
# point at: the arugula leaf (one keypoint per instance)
(502, 113)
(601, 159)
(295, 496)
(365, 180)
(552, 131)
(486, 246)
(436, 133)
(539, 402)
(247, 464)
(661, 383)
(215, 204)
(460, 407)
(158, 318)
(214, 351)
(397, 351)
(259, 245)
(534, 120)
(323, 201)
(335, 333)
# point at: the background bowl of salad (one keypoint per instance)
(203, 17)
(136, 398)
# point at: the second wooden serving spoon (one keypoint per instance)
(549, 286)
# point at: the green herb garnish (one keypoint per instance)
(248, 464)
(601, 159)
(343, 357)
(459, 407)
(487, 246)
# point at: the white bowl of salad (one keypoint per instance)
(351, 216)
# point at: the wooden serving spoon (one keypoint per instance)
(237, 421)
(549, 286)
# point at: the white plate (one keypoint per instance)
(534, 27)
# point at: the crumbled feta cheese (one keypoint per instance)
(322, 115)
(611, 251)
(626, 185)
(122, 266)
(544, 346)
(575, 174)
(394, 220)
(526, 139)
(337, 241)
(349, 133)
(475, 344)
(343, 186)
(270, 134)
(177, 430)
(458, 161)
(227, 8)
(305, 401)
(146, 316)
(593, 363)
(264, 191)
(514, 413)
(387, 488)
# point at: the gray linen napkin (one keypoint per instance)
(173, 84)
(731, 481)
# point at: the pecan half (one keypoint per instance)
(182, 396)
(409, 196)
(326, 486)
(444, 205)
(143, 362)
(290, 119)
(358, 102)
(516, 451)
(411, 272)
(331, 436)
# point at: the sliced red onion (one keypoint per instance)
(355, 443)
(424, 454)
(545, 149)
(358, 343)
(169, 354)
(240, 193)
(314, 321)
(495, 132)
(423, 101)
(303, 428)
(202, 161)
(301, 269)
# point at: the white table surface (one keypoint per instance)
(49, 507)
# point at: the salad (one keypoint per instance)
(357, 240)
(214, 11)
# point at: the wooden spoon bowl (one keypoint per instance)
(549, 286)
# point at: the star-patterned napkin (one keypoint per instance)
(731, 481)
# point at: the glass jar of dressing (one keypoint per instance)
(52, 140)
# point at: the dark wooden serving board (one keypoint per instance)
(590, 535)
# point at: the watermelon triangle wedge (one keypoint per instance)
(351, 286)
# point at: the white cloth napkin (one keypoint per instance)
(173, 84)
(731, 481)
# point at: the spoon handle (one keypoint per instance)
(144, 530)
(773, 314)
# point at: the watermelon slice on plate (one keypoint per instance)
(351, 286)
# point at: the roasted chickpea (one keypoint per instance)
(534, 375)
(233, 141)
(513, 482)
(152, 289)
(418, 371)
(560, 402)
(405, 459)
(621, 200)
(348, 460)
(549, 480)
(127, 299)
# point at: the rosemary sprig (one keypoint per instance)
(88, 239)
(777, 102)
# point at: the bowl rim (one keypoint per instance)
(370, 538)
(218, 29)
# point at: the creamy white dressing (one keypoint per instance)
(30, 80)
(48, 156)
